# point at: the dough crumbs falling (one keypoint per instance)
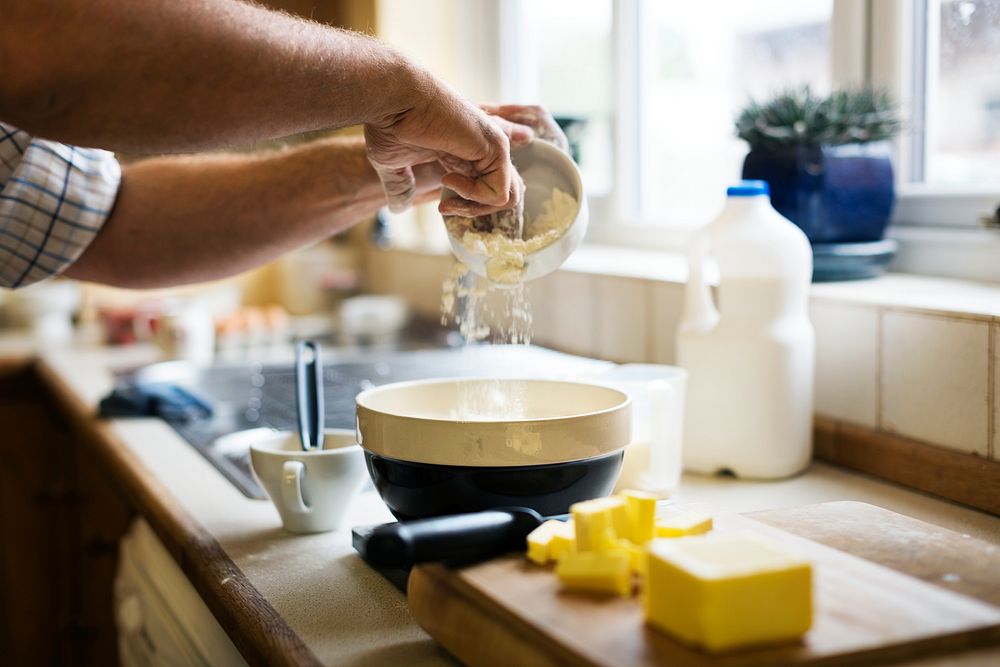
(478, 307)
(497, 308)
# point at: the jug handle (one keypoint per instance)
(700, 312)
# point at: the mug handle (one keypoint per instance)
(292, 473)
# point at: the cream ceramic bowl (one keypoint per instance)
(564, 443)
(553, 422)
(543, 167)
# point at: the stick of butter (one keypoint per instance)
(551, 539)
(636, 556)
(539, 540)
(597, 523)
(641, 512)
(726, 591)
(563, 540)
(680, 525)
(598, 571)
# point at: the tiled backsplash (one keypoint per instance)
(904, 355)
(934, 383)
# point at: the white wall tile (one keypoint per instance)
(377, 276)
(623, 318)
(846, 361)
(417, 277)
(935, 379)
(666, 309)
(542, 299)
(574, 308)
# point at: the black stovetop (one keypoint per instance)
(262, 396)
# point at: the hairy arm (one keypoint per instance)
(185, 75)
(190, 219)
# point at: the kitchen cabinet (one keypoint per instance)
(60, 520)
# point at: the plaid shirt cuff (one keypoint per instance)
(54, 200)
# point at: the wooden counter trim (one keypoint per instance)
(963, 478)
(255, 627)
(14, 365)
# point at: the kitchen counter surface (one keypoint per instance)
(338, 610)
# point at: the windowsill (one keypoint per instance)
(624, 262)
(963, 299)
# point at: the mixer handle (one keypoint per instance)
(456, 539)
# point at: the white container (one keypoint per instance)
(186, 332)
(652, 460)
(750, 356)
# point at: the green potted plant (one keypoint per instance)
(828, 162)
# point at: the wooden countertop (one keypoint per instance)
(304, 600)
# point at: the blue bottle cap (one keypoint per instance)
(749, 189)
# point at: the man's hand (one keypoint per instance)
(418, 138)
(523, 122)
(436, 125)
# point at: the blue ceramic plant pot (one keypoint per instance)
(836, 194)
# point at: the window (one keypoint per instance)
(940, 57)
(958, 86)
(649, 90)
(564, 56)
(654, 88)
(697, 68)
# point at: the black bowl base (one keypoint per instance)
(416, 490)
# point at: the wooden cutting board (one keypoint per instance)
(887, 587)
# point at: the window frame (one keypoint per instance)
(901, 64)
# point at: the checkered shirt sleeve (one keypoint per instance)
(54, 198)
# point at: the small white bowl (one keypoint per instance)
(543, 167)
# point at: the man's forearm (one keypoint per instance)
(191, 219)
(185, 75)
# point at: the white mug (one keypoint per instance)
(186, 333)
(311, 489)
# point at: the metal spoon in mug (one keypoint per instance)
(309, 394)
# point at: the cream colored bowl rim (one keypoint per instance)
(625, 401)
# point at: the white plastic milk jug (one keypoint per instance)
(750, 357)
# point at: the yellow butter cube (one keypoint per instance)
(619, 516)
(540, 541)
(636, 556)
(681, 525)
(597, 571)
(641, 513)
(563, 540)
(727, 591)
(594, 521)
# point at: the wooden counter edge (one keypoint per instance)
(255, 627)
(963, 478)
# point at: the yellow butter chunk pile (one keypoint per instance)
(716, 591)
